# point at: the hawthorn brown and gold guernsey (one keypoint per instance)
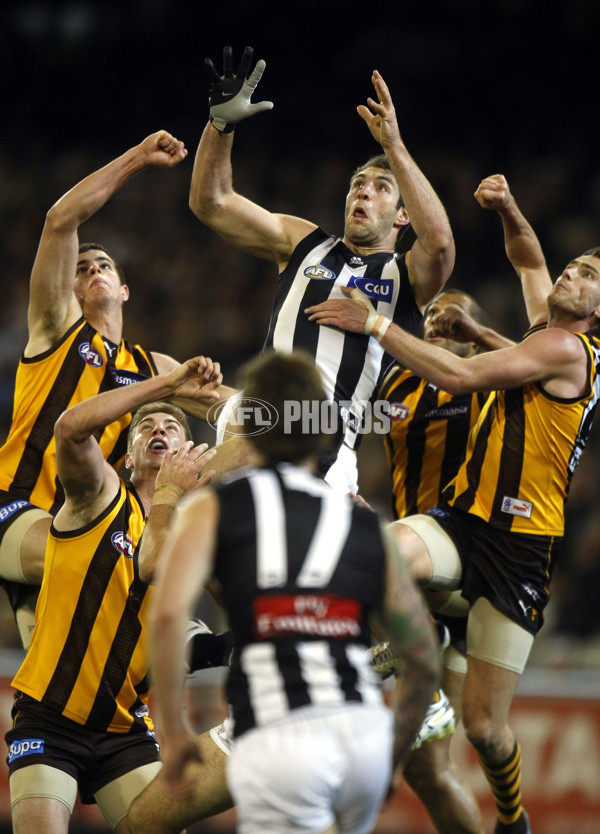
(81, 365)
(528, 444)
(429, 429)
(88, 657)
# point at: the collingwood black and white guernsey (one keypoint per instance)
(351, 364)
(300, 567)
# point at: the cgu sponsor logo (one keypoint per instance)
(11, 509)
(319, 273)
(122, 543)
(90, 355)
(380, 288)
(25, 747)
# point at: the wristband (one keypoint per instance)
(376, 325)
(220, 125)
(167, 494)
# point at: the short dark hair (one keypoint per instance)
(380, 160)
(85, 247)
(595, 252)
(152, 408)
(276, 378)
(473, 308)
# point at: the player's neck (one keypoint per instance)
(108, 322)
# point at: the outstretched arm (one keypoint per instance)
(552, 356)
(52, 305)
(213, 200)
(522, 245)
(431, 258)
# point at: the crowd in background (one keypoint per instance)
(478, 91)
(192, 294)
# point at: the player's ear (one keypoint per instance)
(402, 218)
(124, 293)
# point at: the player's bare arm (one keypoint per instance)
(522, 245)
(431, 258)
(185, 567)
(53, 307)
(213, 199)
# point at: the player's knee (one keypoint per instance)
(414, 551)
(481, 732)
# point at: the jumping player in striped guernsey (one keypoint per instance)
(75, 350)
(80, 717)
(498, 530)
(313, 743)
(386, 194)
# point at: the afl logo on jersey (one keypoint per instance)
(90, 355)
(399, 411)
(319, 273)
(123, 544)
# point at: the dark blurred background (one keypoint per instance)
(502, 86)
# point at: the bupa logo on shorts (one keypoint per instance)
(142, 711)
(122, 543)
(151, 734)
(381, 288)
(515, 506)
(10, 509)
(25, 747)
(436, 512)
(90, 355)
(319, 273)
(398, 411)
(531, 592)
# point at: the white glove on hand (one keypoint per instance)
(376, 323)
(229, 96)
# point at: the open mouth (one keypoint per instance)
(158, 445)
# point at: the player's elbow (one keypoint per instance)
(65, 427)
(59, 219)
(205, 205)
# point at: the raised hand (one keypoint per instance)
(380, 115)
(230, 93)
(493, 192)
(196, 378)
(183, 469)
(162, 149)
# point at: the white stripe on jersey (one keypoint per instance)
(331, 532)
(319, 674)
(265, 683)
(327, 542)
(368, 683)
(266, 690)
(331, 340)
(271, 542)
